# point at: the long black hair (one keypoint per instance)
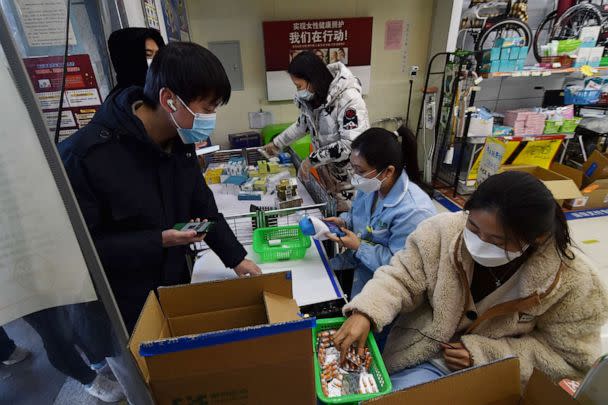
(307, 66)
(380, 148)
(525, 208)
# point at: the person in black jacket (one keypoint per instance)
(132, 51)
(135, 177)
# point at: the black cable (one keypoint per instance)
(64, 74)
(409, 103)
(428, 337)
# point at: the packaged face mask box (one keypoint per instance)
(595, 56)
(582, 57)
(589, 36)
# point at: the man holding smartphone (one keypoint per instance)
(135, 175)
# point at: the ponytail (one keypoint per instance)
(409, 152)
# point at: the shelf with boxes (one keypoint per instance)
(532, 71)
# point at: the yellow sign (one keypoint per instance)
(538, 153)
(509, 149)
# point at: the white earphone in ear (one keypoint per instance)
(171, 104)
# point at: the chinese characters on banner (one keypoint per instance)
(81, 98)
(346, 40)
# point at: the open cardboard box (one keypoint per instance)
(496, 383)
(594, 190)
(562, 187)
(230, 342)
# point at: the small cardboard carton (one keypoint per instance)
(562, 187)
(596, 167)
(240, 341)
(594, 193)
(494, 383)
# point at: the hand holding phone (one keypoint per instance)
(200, 227)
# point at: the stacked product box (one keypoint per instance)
(525, 122)
(509, 55)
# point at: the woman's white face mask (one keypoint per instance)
(487, 254)
(366, 185)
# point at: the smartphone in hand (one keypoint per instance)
(199, 227)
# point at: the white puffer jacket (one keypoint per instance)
(333, 126)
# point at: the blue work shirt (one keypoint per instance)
(383, 232)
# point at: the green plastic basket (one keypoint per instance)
(293, 243)
(377, 369)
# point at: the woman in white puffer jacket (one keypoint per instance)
(332, 110)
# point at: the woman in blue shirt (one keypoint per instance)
(388, 205)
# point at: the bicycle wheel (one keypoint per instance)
(542, 36)
(569, 25)
(509, 27)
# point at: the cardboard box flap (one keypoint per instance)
(222, 294)
(232, 318)
(225, 359)
(540, 390)
(280, 309)
(563, 189)
(573, 174)
(493, 383)
(538, 172)
(178, 344)
(151, 325)
(596, 167)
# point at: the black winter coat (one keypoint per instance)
(129, 191)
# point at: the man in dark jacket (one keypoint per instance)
(132, 51)
(134, 177)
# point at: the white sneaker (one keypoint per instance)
(105, 389)
(105, 371)
(18, 355)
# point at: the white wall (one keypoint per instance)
(242, 20)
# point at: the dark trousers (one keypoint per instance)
(7, 346)
(63, 329)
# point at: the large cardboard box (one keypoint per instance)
(495, 383)
(594, 193)
(561, 186)
(240, 341)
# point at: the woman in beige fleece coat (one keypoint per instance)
(497, 280)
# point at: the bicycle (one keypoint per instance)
(488, 21)
(567, 21)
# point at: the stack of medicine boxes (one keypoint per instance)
(508, 55)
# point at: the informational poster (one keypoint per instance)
(176, 20)
(151, 14)
(509, 146)
(81, 97)
(538, 153)
(393, 33)
(41, 263)
(44, 22)
(346, 40)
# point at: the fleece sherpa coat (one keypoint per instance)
(549, 313)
